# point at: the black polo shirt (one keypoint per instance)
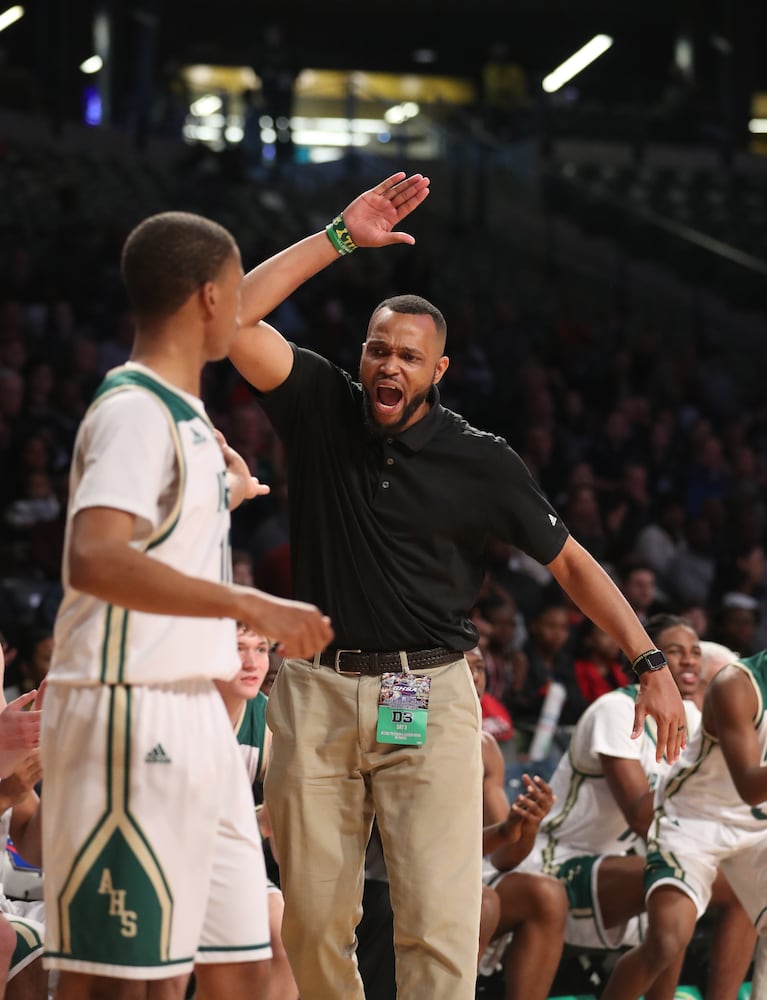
(388, 534)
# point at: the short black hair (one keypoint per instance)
(656, 625)
(169, 256)
(415, 305)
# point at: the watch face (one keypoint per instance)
(650, 661)
(655, 660)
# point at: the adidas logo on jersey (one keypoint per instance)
(552, 519)
(197, 438)
(157, 755)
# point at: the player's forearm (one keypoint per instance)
(639, 815)
(117, 574)
(272, 281)
(506, 856)
(494, 837)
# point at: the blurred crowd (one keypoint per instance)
(645, 440)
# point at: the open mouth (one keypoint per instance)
(388, 398)
(688, 677)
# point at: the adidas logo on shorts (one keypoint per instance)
(157, 755)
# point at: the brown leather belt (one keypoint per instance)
(353, 661)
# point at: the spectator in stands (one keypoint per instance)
(708, 476)
(746, 573)
(638, 585)
(735, 622)
(692, 571)
(506, 663)
(549, 658)
(584, 518)
(597, 664)
(659, 541)
(242, 568)
(495, 716)
(36, 650)
(630, 509)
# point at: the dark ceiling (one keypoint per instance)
(381, 35)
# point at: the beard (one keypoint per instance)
(378, 430)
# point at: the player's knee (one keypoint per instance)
(490, 913)
(7, 944)
(665, 944)
(551, 902)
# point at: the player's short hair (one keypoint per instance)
(656, 625)
(244, 629)
(415, 305)
(169, 256)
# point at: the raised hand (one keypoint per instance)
(242, 485)
(372, 216)
(536, 801)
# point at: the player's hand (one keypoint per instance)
(26, 775)
(535, 802)
(372, 216)
(300, 629)
(659, 698)
(242, 485)
(19, 732)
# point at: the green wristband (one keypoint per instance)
(340, 236)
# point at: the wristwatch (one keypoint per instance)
(649, 662)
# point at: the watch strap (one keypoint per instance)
(649, 662)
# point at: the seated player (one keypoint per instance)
(246, 705)
(710, 816)
(593, 840)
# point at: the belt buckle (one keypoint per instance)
(349, 673)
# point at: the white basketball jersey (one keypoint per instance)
(149, 449)
(585, 818)
(700, 785)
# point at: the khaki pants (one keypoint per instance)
(327, 776)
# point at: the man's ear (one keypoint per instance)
(441, 368)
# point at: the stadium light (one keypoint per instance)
(11, 16)
(91, 65)
(758, 126)
(578, 61)
(206, 105)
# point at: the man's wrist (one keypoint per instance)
(649, 662)
(339, 235)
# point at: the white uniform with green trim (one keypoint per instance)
(148, 828)
(701, 823)
(585, 823)
(23, 916)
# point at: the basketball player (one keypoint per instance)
(153, 861)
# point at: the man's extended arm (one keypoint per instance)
(584, 580)
(259, 352)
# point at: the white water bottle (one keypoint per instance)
(547, 721)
